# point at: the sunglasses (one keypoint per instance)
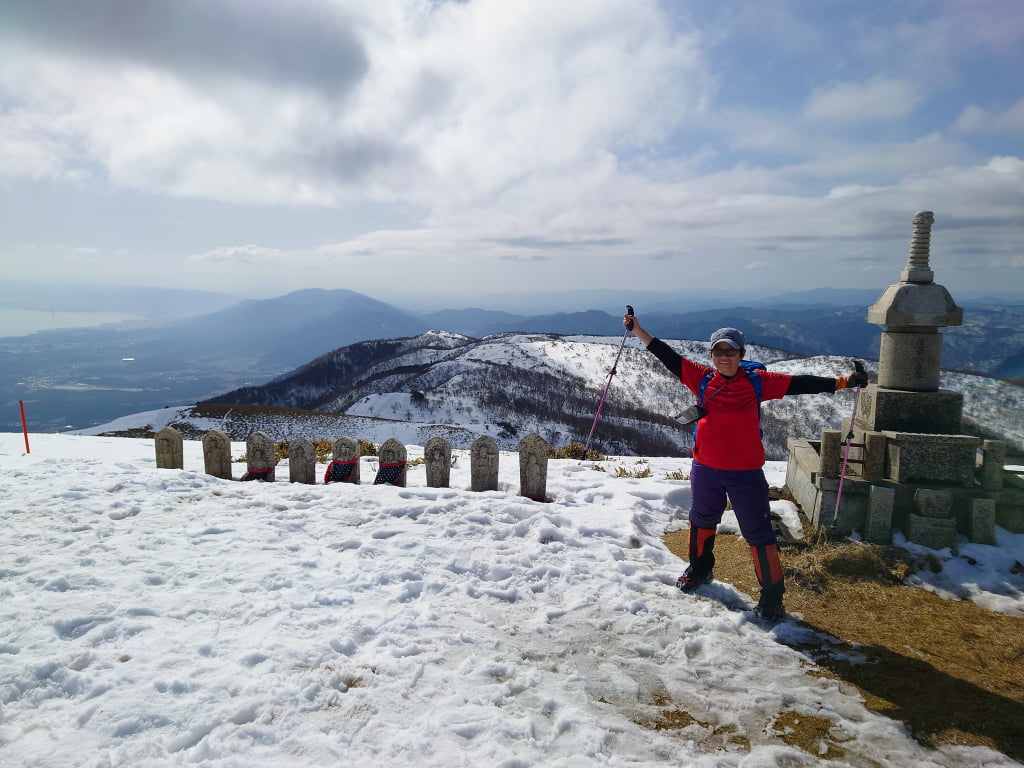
(725, 352)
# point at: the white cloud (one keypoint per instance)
(241, 255)
(302, 44)
(26, 156)
(879, 99)
(525, 257)
(1013, 261)
(974, 120)
(881, 161)
(851, 190)
(522, 144)
(448, 104)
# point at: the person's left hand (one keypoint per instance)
(859, 378)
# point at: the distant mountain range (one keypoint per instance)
(506, 386)
(86, 376)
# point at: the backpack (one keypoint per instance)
(753, 371)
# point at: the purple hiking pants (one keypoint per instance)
(747, 489)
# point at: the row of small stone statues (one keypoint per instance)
(344, 466)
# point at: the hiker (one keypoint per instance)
(728, 455)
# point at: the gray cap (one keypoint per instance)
(731, 336)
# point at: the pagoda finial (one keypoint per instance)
(917, 270)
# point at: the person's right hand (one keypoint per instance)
(631, 324)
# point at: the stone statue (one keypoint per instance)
(483, 463)
(438, 456)
(345, 466)
(301, 462)
(217, 454)
(392, 466)
(170, 453)
(259, 449)
(533, 467)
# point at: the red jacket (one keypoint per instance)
(729, 437)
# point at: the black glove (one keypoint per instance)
(859, 378)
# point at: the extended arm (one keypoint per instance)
(817, 385)
(668, 356)
(811, 385)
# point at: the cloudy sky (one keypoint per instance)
(400, 146)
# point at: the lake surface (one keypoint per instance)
(21, 322)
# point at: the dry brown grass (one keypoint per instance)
(950, 670)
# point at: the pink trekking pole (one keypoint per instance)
(586, 446)
(846, 451)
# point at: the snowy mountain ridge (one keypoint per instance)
(508, 385)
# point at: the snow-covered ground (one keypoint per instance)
(162, 617)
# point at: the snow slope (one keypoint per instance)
(163, 617)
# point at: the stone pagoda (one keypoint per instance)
(910, 468)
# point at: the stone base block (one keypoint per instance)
(894, 410)
(926, 458)
(993, 457)
(931, 532)
(878, 528)
(981, 524)
(853, 505)
(801, 476)
(933, 502)
(1010, 513)
(829, 452)
(874, 455)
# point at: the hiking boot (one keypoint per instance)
(768, 568)
(693, 579)
(769, 610)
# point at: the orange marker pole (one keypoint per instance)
(24, 425)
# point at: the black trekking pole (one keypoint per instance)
(859, 366)
(600, 406)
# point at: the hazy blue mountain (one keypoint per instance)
(290, 330)
(819, 297)
(589, 322)
(611, 301)
(470, 321)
